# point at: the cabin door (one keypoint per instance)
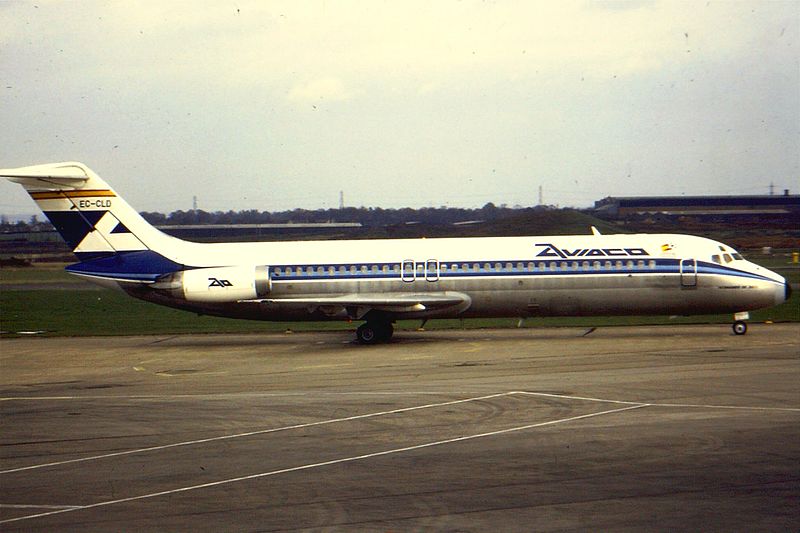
(688, 273)
(432, 270)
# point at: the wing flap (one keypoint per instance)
(390, 302)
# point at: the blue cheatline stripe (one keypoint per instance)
(713, 268)
(563, 268)
(142, 265)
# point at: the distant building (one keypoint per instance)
(623, 207)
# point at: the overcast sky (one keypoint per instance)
(275, 105)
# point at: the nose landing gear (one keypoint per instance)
(739, 327)
(739, 324)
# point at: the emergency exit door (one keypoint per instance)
(688, 273)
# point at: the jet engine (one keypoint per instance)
(216, 284)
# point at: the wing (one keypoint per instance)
(359, 304)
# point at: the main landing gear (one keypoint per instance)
(373, 332)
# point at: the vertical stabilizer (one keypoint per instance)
(88, 214)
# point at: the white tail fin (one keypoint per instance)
(87, 213)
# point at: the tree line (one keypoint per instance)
(367, 216)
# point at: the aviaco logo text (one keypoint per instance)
(551, 250)
(215, 282)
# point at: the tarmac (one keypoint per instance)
(614, 429)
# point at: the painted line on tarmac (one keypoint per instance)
(570, 397)
(215, 395)
(372, 415)
(734, 407)
(329, 463)
(251, 433)
(25, 506)
(658, 404)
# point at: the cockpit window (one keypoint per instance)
(715, 258)
(738, 256)
(727, 258)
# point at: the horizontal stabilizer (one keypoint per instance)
(52, 176)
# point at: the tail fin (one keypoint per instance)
(87, 213)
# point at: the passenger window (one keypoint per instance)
(332, 270)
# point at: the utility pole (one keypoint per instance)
(540, 196)
(194, 203)
(341, 199)
(771, 189)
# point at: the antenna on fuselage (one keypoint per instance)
(595, 231)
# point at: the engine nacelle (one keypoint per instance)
(217, 284)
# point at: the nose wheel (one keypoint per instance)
(739, 327)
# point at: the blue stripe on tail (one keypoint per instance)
(142, 265)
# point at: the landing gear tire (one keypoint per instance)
(367, 334)
(739, 327)
(374, 332)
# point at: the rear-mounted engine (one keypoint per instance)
(216, 284)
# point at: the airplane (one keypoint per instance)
(381, 281)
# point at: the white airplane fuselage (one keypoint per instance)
(500, 277)
(380, 281)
